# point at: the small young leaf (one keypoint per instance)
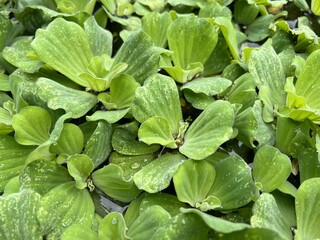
(31, 125)
(193, 180)
(112, 227)
(80, 167)
(70, 142)
(270, 168)
(110, 179)
(80, 232)
(156, 130)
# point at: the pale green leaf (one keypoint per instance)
(79, 232)
(192, 40)
(112, 116)
(209, 86)
(65, 47)
(156, 26)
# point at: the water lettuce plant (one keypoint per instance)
(164, 119)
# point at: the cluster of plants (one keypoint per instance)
(163, 119)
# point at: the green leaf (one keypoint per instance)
(307, 87)
(58, 96)
(156, 130)
(229, 34)
(270, 168)
(148, 222)
(217, 224)
(130, 164)
(108, 116)
(79, 232)
(315, 7)
(100, 40)
(118, 98)
(193, 180)
(253, 131)
(157, 175)
(192, 40)
(158, 97)
(124, 141)
(63, 206)
(80, 167)
(42, 176)
(21, 55)
(168, 202)
(12, 159)
(309, 165)
(156, 26)
(212, 128)
(259, 28)
(140, 55)
(74, 6)
(307, 210)
(183, 226)
(244, 12)
(65, 47)
(112, 227)
(111, 180)
(31, 125)
(252, 233)
(198, 100)
(18, 216)
(266, 214)
(98, 146)
(209, 86)
(233, 184)
(12, 186)
(71, 140)
(266, 68)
